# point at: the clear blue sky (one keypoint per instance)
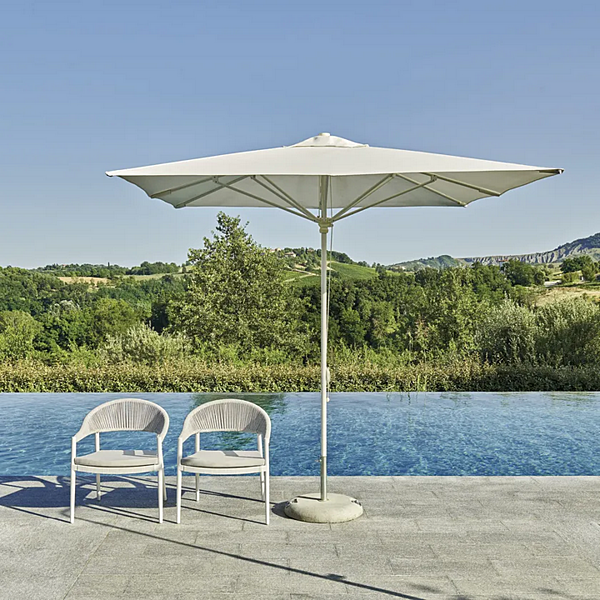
(87, 87)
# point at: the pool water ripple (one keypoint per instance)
(369, 434)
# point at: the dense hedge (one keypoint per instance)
(467, 375)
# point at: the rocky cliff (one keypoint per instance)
(589, 245)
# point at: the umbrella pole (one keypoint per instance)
(324, 231)
(324, 508)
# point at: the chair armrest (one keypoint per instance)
(182, 438)
(73, 448)
(159, 449)
(180, 441)
(82, 433)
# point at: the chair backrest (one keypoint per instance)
(126, 414)
(228, 415)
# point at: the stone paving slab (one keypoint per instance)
(421, 538)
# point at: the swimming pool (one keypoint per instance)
(369, 434)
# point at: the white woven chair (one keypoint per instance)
(127, 414)
(225, 415)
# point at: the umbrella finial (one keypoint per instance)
(326, 140)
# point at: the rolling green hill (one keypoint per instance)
(353, 271)
(438, 262)
(342, 270)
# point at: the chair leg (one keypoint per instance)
(98, 490)
(73, 484)
(178, 495)
(164, 487)
(267, 505)
(161, 478)
(197, 487)
(262, 484)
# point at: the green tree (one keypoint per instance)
(352, 328)
(589, 272)
(520, 273)
(578, 263)
(17, 334)
(236, 295)
(109, 317)
(382, 323)
(65, 329)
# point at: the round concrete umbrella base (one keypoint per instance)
(336, 509)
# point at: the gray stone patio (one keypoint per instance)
(467, 538)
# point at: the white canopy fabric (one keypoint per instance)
(360, 177)
(338, 178)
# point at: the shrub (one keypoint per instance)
(507, 334)
(568, 332)
(190, 376)
(141, 344)
(570, 277)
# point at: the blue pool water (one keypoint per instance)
(369, 434)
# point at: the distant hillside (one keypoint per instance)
(347, 271)
(589, 245)
(108, 270)
(438, 262)
(304, 265)
(308, 258)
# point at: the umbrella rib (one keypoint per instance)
(255, 197)
(464, 184)
(220, 186)
(412, 189)
(181, 187)
(442, 194)
(371, 190)
(284, 196)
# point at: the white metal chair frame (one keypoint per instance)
(126, 414)
(226, 415)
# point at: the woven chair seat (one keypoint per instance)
(118, 459)
(224, 459)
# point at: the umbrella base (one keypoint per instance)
(336, 509)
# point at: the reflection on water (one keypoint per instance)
(272, 404)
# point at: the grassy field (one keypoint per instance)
(344, 270)
(90, 280)
(557, 293)
(296, 276)
(299, 276)
(106, 281)
(353, 271)
(154, 276)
